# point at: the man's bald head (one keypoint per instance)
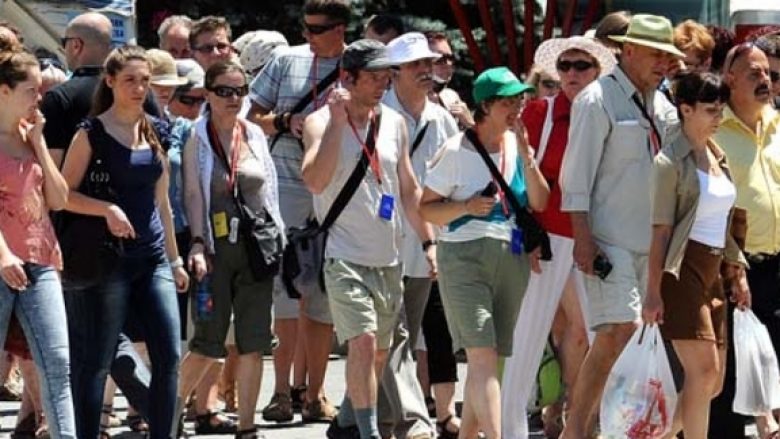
(91, 33)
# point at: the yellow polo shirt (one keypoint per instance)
(754, 159)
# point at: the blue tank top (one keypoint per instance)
(134, 175)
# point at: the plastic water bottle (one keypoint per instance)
(204, 301)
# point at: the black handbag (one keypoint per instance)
(533, 234)
(261, 235)
(304, 255)
(90, 252)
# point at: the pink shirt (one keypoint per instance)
(24, 217)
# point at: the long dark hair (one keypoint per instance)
(104, 95)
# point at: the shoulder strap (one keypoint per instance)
(418, 138)
(523, 219)
(306, 100)
(354, 179)
(546, 130)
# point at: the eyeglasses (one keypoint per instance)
(226, 91)
(64, 40)
(739, 51)
(222, 48)
(190, 101)
(579, 65)
(318, 29)
(774, 76)
(446, 58)
(550, 83)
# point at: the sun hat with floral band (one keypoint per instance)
(549, 51)
(497, 82)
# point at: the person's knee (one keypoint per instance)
(482, 358)
(363, 348)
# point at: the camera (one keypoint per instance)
(490, 190)
(601, 267)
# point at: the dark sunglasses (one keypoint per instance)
(209, 48)
(317, 29)
(739, 51)
(190, 100)
(550, 83)
(226, 91)
(64, 40)
(579, 65)
(774, 76)
(445, 59)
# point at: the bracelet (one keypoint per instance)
(531, 163)
(279, 122)
(197, 240)
(286, 118)
(177, 263)
(428, 243)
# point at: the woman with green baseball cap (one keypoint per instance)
(483, 270)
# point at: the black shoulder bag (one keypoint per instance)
(533, 234)
(90, 252)
(305, 252)
(418, 139)
(304, 102)
(261, 235)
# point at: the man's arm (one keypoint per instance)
(322, 141)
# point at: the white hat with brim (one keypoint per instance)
(409, 47)
(549, 51)
(650, 31)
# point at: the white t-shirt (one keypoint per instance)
(716, 198)
(458, 173)
(359, 235)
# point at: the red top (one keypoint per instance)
(552, 219)
(24, 218)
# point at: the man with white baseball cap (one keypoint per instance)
(428, 126)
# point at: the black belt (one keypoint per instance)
(757, 258)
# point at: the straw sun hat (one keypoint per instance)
(549, 51)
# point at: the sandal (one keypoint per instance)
(113, 420)
(204, 424)
(444, 433)
(137, 423)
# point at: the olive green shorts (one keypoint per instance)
(482, 286)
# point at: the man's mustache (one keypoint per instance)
(761, 89)
(425, 77)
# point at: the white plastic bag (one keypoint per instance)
(639, 396)
(758, 377)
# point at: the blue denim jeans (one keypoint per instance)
(97, 315)
(41, 312)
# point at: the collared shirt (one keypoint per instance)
(676, 192)
(288, 76)
(440, 127)
(534, 114)
(754, 158)
(608, 164)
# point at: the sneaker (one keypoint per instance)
(298, 395)
(335, 431)
(279, 409)
(320, 410)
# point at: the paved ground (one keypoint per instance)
(335, 386)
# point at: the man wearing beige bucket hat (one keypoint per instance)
(618, 124)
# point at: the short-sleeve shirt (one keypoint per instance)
(534, 114)
(458, 173)
(67, 104)
(181, 129)
(288, 76)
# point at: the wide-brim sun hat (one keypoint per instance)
(497, 82)
(409, 47)
(164, 72)
(650, 31)
(548, 52)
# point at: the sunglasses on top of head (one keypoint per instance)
(317, 29)
(226, 91)
(579, 65)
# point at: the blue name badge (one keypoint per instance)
(386, 206)
(517, 241)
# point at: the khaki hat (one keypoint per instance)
(650, 31)
(164, 72)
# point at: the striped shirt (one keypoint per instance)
(291, 73)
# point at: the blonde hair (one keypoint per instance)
(690, 35)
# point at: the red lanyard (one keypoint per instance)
(235, 151)
(502, 168)
(373, 156)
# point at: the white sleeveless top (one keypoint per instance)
(716, 198)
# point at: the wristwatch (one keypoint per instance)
(427, 243)
(197, 240)
(176, 263)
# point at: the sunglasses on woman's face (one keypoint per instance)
(579, 65)
(190, 100)
(318, 29)
(226, 91)
(550, 83)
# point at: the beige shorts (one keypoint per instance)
(618, 298)
(363, 300)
